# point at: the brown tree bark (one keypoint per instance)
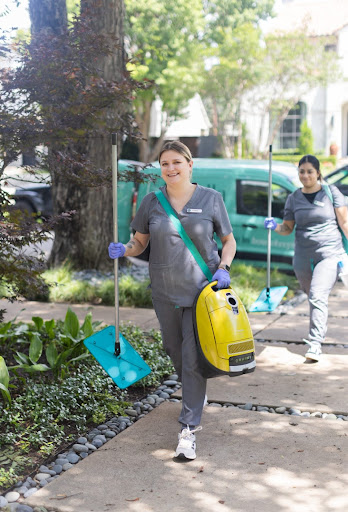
(47, 15)
(95, 212)
(84, 240)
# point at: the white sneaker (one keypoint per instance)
(314, 351)
(187, 444)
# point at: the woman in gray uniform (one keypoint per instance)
(318, 244)
(175, 276)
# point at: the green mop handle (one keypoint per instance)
(114, 211)
(269, 214)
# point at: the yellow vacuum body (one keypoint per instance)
(223, 333)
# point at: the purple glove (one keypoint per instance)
(222, 277)
(116, 250)
(270, 223)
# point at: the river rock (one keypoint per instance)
(79, 448)
(3, 502)
(12, 496)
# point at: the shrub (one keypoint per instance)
(305, 141)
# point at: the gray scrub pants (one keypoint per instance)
(317, 278)
(179, 343)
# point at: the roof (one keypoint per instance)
(194, 123)
(322, 17)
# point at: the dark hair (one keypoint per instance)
(314, 161)
(177, 146)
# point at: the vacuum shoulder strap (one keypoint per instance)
(327, 191)
(180, 228)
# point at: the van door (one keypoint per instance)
(248, 223)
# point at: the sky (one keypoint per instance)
(18, 16)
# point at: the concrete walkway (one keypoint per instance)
(246, 460)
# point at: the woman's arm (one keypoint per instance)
(342, 218)
(228, 249)
(286, 228)
(137, 244)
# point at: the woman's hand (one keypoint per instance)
(116, 250)
(270, 223)
(286, 228)
(222, 277)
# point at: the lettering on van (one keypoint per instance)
(275, 243)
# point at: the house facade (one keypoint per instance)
(324, 108)
(192, 128)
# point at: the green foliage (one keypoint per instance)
(4, 380)
(227, 15)
(305, 141)
(151, 349)
(166, 53)
(46, 412)
(248, 282)
(8, 477)
(42, 347)
(327, 163)
(134, 293)
(235, 63)
(57, 95)
(163, 42)
(63, 288)
(289, 57)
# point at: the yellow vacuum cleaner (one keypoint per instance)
(223, 333)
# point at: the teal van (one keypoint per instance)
(126, 198)
(244, 187)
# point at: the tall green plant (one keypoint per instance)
(4, 380)
(45, 346)
(305, 141)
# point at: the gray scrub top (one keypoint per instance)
(316, 231)
(175, 275)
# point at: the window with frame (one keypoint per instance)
(252, 198)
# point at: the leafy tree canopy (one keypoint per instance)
(164, 45)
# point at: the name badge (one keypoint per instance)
(318, 203)
(194, 210)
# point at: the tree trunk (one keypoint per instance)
(96, 229)
(85, 238)
(272, 133)
(215, 118)
(143, 118)
(48, 15)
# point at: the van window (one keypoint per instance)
(338, 178)
(252, 198)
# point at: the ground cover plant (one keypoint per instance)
(246, 280)
(52, 390)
